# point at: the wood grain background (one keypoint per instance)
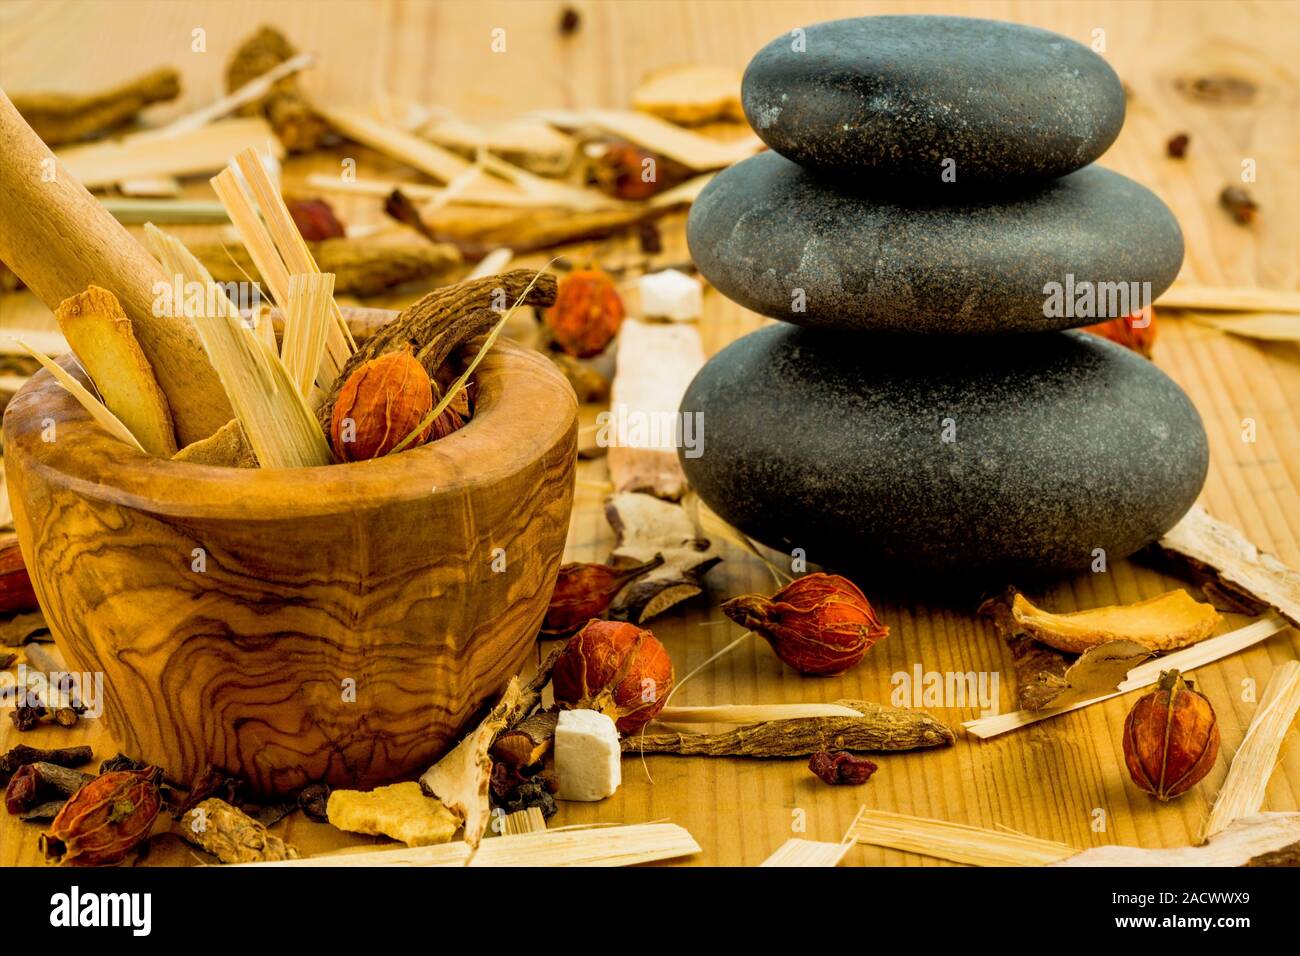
(1048, 780)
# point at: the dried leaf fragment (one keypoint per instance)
(647, 526)
(1164, 623)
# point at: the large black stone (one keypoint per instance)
(776, 238)
(1061, 444)
(900, 95)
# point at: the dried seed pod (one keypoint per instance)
(1171, 738)
(584, 591)
(315, 219)
(818, 624)
(587, 313)
(381, 403)
(105, 819)
(618, 669)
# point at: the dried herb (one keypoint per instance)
(22, 628)
(880, 728)
(646, 526)
(526, 743)
(587, 313)
(650, 240)
(1171, 738)
(22, 755)
(37, 782)
(26, 716)
(120, 762)
(43, 812)
(1177, 146)
(231, 835)
(212, 782)
(532, 792)
(616, 668)
(841, 767)
(1239, 203)
(61, 118)
(297, 125)
(6, 660)
(313, 800)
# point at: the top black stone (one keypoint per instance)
(917, 96)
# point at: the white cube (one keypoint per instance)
(671, 295)
(587, 756)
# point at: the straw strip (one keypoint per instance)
(525, 821)
(957, 842)
(808, 853)
(1144, 675)
(306, 323)
(254, 89)
(1242, 794)
(97, 409)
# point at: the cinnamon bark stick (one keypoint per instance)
(880, 728)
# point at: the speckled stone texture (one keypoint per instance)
(899, 95)
(835, 443)
(887, 261)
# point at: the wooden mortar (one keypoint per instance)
(337, 624)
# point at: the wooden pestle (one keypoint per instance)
(58, 239)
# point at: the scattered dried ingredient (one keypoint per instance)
(401, 811)
(1239, 203)
(880, 728)
(26, 716)
(453, 416)
(120, 762)
(588, 384)
(584, 591)
(61, 118)
(37, 782)
(570, 21)
(16, 592)
(269, 814)
(646, 527)
(1132, 331)
(105, 819)
(297, 125)
(527, 742)
(616, 668)
(1171, 738)
(315, 219)
(818, 624)
(43, 812)
(626, 172)
(1220, 88)
(504, 779)
(651, 241)
(22, 755)
(587, 313)
(232, 836)
(380, 404)
(313, 800)
(1163, 623)
(6, 660)
(23, 628)
(841, 767)
(212, 782)
(1177, 146)
(533, 792)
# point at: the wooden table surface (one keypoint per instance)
(1049, 780)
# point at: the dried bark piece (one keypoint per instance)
(60, 118)
(527, 742)
(461, 778)
(226, 447)
(1236, 568)
(1164, 623)
(297, 125)
(232, 836)
(880, 728)
(400, 811)
(646, 527)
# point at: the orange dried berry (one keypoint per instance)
(1171, 738)
(1136, 332)
(587, 312)
(381, 403)
(105, 819)
(616, 668)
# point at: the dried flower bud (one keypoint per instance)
(1239, 203)
(841, 767)
(315, 219)
(381, 403)
(583, 591)
(587, 313)
(819, 624)
(1177, 145)
(1136, 332)
(1171, 738)
(616, 668)
(626, 172)
(105, 819)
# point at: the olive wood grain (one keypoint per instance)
(58, 239)
(386, 573)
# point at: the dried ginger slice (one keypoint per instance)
(1164, 623)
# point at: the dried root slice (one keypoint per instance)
(400, 811)
(1163, 623)
(1267, 839)
(227, 447)
(691, 95)
(232, 836)
(60, 118)
(100, 334)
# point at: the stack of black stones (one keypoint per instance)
(928, 225)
